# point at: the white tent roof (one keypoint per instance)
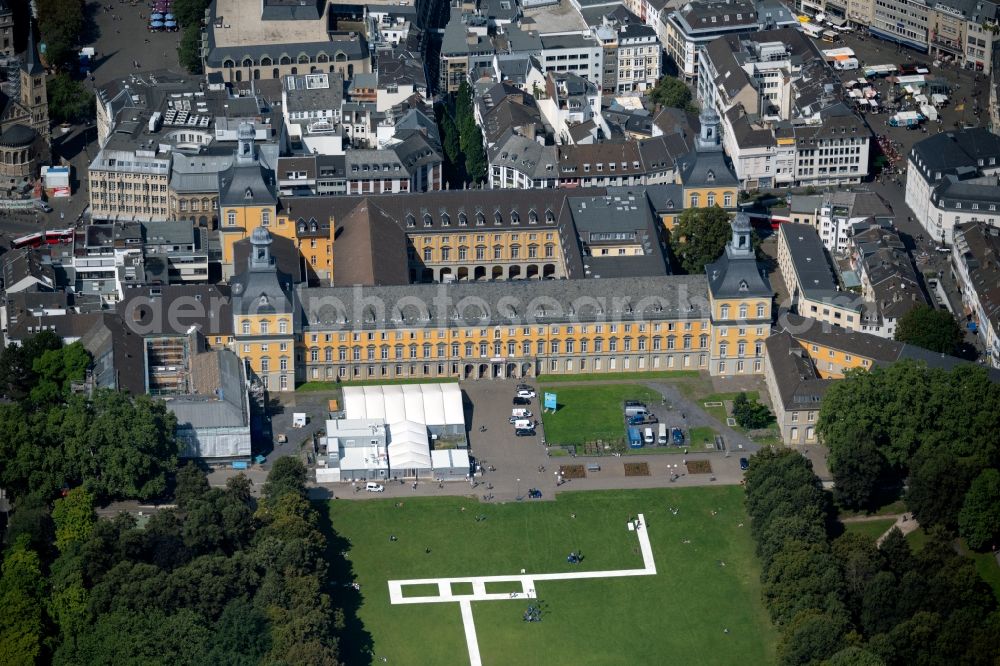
(408, 446)
(448, 458)
(427, 404)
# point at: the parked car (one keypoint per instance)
(373, 487)
(525, 432)
(535, 493)
(525, 393)
(41, 205)
(521, 402)
(678, 436)
(744, 464)
(524, 387)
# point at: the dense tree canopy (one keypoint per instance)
(671, 92)
(850, 603)
(750, 414)
(61, 24)
(699, 237)
(930, 328)
(935, 427)
(218, 580)
(69, 100)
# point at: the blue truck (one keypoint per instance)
(634, 438)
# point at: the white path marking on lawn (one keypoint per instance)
(470, 632)
(525, 581)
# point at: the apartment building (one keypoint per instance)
(695, 24)
(632, 51)
(953, 178)
(889, 282)
(975, 266)
(783, 119)
(905, 22)
(836, 214)
(311, 105)
(813, 288)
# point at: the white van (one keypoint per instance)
(648, 436)
(520, 413)
(662, 438)
(523, 424)
(373, 487)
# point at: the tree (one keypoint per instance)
(190, 12)
(929, 328)
(750, 414)
(854, 656)
(189, 49)
(17, 376)
(22, 588)
(938, 483)
(812, 637)
(857, 467)
(74, 518)
(60, 23)
(56, 369)
(979, 519)
(671, 92)
(449, 137)
(699, 237)
(69, 100)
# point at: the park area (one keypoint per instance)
(701, 605)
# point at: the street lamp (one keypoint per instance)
(517, 491)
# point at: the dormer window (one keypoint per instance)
(313, 226)
(410, 221)
(463, 220)
(549, 217)
(710, 176)
(263, 299)
(497, 218)
(532, 217)
(480, 219)
(515, 217)
(744, 286)
(445, 220)
(302, 226)
(248, 194)
(427, 220)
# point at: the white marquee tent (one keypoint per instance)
(437, 406)
(409, 449)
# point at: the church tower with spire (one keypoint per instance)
(34, 97)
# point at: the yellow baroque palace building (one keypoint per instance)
(716, 322)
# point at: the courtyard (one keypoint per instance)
(699, 541)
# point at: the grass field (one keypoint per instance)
(699, 435)
(676, 616)
(872, 528)
(589, 413)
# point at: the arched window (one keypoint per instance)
(743, 311)
(265, 61)
(303, 59)
(724, 312)
(695, 200)
(245, 326)
(247, 62)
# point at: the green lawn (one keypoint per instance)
(589, 413)
(719, 413)
(872, 528)
(698, 436)
(638, 375)
(676, 616)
